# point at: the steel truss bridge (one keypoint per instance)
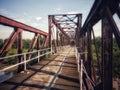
(63, 29)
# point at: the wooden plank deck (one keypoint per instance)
(40, 75)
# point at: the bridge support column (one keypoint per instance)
(106, 54)
(38, 43)
(49, 21)
(57, 37)
(19, 46)
(89, 54)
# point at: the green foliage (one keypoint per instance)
(72, 42)
(41, 39)
(98, 45)
(116, 64)
(116, 56)
(14, 44)
(1, 43)
(12, 51)
(116, 60)
(26, 43)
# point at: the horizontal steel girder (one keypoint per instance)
(12, 23)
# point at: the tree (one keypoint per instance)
(116, 60)
(1, 43)
(26, 43)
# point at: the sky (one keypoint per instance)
(35, 12)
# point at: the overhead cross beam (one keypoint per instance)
(65, 23)
(58, 26)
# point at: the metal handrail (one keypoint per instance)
(25, 59)
(81, 70)
(80, 66)
(16, 55)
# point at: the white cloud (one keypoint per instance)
(73, 12)
(57, 10)
(36, 22)
(3, 11)
(38, 18)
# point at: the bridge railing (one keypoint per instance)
(100, 66)
(40, 53)
(82, 71)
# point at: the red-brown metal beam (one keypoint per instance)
(63, 14)
(34, 41)
(57, 37)
(38, 43)
(19, 44)
(95, 13)
(19, 47)
(9, 42)
(113, 26)
(50, 30)
(77, 36)
(106, 54)
(13, 23)
(60, 28)
(89, 54)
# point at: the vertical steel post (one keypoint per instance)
(82, 47)
(57, 39)
(19, 47)
(38, 42)
(78, 29)
(57, 36)
(38, 47)
(81, 75)
(106, 54)
(50, 32)
(50, 29)
(89, 54)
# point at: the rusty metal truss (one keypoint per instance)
(66, 24)
(17, 35)
(101, 10)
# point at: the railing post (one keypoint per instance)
(78, 61)
(38, 55)
(81, 76)
(25, 62)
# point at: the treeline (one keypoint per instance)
(116, 52)
(26, 43)
(116, 55)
